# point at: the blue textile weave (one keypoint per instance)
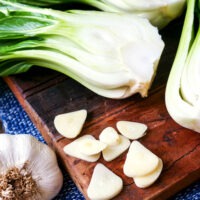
(16, 121)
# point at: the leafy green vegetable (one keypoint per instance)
(159, 12)
(183, 87)
(114, 55)
(13, 67)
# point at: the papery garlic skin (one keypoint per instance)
(18, 150)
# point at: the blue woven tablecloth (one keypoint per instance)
(16, 121)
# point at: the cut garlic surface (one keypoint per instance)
(104, 184)
(91, 147)
(70, 124)
(73, 149)
(131, 130)
(109, 136)
(112, 152)
(140, 161)
(149, 179)
(30, 164)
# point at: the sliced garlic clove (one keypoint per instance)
(112, 152)
(109, 136)
(91, 147)
(70, 124)
(104, 184)
(73, 149)
(140, 161)
(149, 179)
(131, 130)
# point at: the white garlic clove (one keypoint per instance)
(109, 136)
(104, 184)
(91, 147)
(27, 153)
(112, 152)
(73, 149)
(70, 124)
(149, 179)
(140, 161)
(131, 130)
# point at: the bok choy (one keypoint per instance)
(159, 12)
(114, 55)
(183, 87)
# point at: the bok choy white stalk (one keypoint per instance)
(114, 55)
(159, 12)
(183, 87)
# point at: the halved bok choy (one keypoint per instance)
(114, 55)
(183, 87)
(159, 12)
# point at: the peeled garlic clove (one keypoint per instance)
(109, 136)
(112, 152)
(70, 124)
(131, 130)
(104, 184)
(91, 147)
(140, 161)
(33, 162)
(73, 149)
(149, 179)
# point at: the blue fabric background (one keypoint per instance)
(16, 121)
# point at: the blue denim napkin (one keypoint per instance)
(15, 121)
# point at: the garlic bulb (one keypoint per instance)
(28, 169)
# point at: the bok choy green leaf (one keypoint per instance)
(114, 55)
(159, 12)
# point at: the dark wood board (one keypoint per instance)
(44, 94)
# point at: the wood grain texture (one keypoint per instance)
(44, 94)
(1, 127)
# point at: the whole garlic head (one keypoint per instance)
(28, 169)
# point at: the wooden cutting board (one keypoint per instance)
(44, 94)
